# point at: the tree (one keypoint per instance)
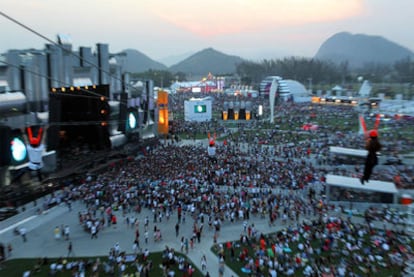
(161, 78)
(404, 70)
(300, 69)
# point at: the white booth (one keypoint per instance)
(198, 109)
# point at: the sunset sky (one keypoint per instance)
(253, 29)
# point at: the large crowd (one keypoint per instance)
(326, 246)
(257, 171)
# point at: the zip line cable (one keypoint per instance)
(58, 45)
(85, 123)
(58, 81)
(94, 94)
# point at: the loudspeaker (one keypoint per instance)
(5, 150)
(55, 117)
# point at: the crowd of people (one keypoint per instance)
(326, 246)
(258, 171)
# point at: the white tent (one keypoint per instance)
(297, 88)
(337, 87)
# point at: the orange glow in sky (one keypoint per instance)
(218, 17)
(249, 28)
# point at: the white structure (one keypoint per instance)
(347, 155)
(400, 107)
(272, 94)
(338, 90)
(12, 101)
(198, 109)
(287, 90)
(338, 187)
(297, 88)
(267, 82)
(365, 90)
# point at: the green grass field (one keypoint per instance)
(16, 267)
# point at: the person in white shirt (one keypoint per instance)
(93, 232)
(272, 272)
(117, 248)
(203, 263)
(35, 159)
(67, 231)
(23, 234)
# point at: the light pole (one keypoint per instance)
(310, 85)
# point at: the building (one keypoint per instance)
(266, 83)
(33, 73)
(29, 78)
(287, 90)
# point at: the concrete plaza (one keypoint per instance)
(42, 243)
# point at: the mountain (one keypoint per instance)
(205, 61)
(136, 62)
(356, 49)
(360, 49)
(171, 60)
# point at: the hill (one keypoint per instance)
(360, 49)
(174, 59)
(205, 61)
(136, 62)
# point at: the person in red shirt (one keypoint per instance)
(113, 219)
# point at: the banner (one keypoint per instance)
(162, 104)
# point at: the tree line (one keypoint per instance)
(306, 71)
(324, 72)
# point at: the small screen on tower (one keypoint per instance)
(200, 109)
(132, 121)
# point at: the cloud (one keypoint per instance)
(223, 17)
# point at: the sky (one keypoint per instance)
(251, 29)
